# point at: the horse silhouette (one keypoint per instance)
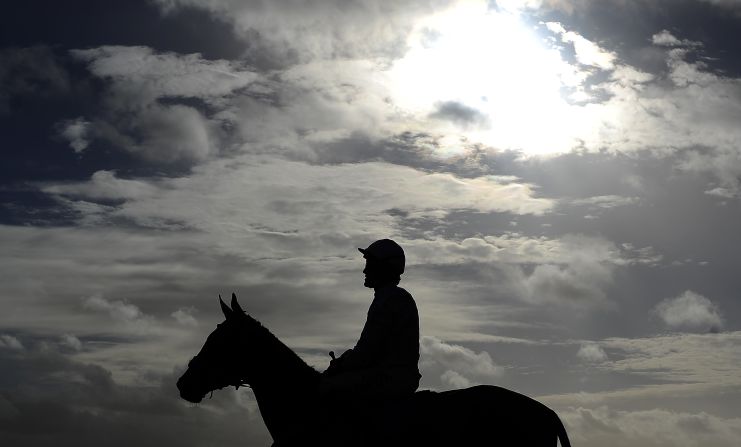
(240, 351)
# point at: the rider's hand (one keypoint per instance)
(335, 365)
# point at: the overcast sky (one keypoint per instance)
(564, 176)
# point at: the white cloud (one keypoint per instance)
(608, 201)
(642, 111)
(10, 342)
(724, 163)
(586, 51)
(268, 200)
(71, 342)
(77, 133)
(690, 311)
(455, 365)
(129, 315)
(724, 193)
(580, 284)
(674, 370)
(454, 380)
(137, 122)
(139, 73)
(665, 38)
(574, 270)
(161, 133)
(103, 185)
(515, 248)
(700, 360)
(172, 133)
(591, 352)
(650, 428)
(117, 309)
(184, 316)
(697, 108)
(290, 32)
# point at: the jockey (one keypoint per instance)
(383, 364)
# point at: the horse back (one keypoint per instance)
(481, 415)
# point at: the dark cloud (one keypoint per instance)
(407, 149)
(88, 23)
(460, 114)
(31, 71)
(42, 88)
(49, 398)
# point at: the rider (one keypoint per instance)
(383, 364)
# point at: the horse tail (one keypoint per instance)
(563, 438)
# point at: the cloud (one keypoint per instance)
(455, 365)
(165, 134)
(139, 74)
(76, 132)
(118, 309)
(591, 352)
(667, 39)
(517, 248)
(10, 342)
(454, 380)
(184, 316)
(136, 119)
(103, 185)
(325, 99)
(173, 133)
(285, 32)
(655, 427)
(728, 4)
(690, 97)
(122, 312)
(71, 342)
(459, 113)
(358, 196)
(704, 361)
(579, 284)
(690, 311)
(46, 394)
(586, 52)
(724, 193)
(574, 270)
(606, 202)
(31, 71)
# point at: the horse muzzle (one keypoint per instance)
(189, 393)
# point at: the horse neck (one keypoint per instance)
(283, 384)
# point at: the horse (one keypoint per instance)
(242, 352)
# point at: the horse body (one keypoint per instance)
(241, 351)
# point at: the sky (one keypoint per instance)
(563, 175)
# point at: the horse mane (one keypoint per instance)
(283, 355)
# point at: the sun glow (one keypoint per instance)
(504, 82)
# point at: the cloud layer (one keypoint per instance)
(563, 176)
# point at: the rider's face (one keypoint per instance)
(372, 273)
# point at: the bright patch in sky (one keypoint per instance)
(505, 81)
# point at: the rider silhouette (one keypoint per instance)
(383, 364)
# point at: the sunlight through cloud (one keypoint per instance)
(493, 63)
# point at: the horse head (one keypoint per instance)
(221, 360)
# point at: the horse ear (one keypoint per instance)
(235, 305)
(225, 308)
